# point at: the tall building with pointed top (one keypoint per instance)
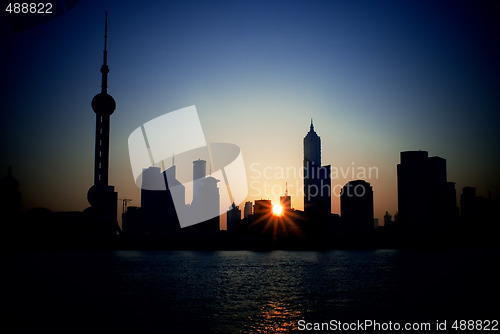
(312, 148)
(317, 182)
(102, 196)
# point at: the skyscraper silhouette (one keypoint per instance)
(248, 209)
(356, 208)
(207, 204)
(413, 196)
(317, 182)
(312, 148)
(154, 201)
(262, 208)
(233, 217)
(177, 190)
(286, 201)
(199, 174)
(426, 201)
(102, 196)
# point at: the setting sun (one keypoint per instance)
(277, 210)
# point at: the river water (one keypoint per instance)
(242, 291)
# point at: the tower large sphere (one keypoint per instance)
(103, 104)
(94, 192)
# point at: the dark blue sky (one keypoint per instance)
(377, 77)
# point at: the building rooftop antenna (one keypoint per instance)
(104, 68)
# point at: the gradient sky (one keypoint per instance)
(377, 77)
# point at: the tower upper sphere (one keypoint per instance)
(103, 104)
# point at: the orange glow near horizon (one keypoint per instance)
(277, 210)
(282, 224)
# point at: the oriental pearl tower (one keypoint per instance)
(102, 196)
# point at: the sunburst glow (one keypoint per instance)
(277, 210)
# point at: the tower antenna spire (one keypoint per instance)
(105, 38)
(104, 68)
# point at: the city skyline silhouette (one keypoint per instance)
(428, 213)
(348, 140)
(250, 166)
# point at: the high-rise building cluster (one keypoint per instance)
(426, 200)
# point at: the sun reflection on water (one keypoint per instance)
(276, 317)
